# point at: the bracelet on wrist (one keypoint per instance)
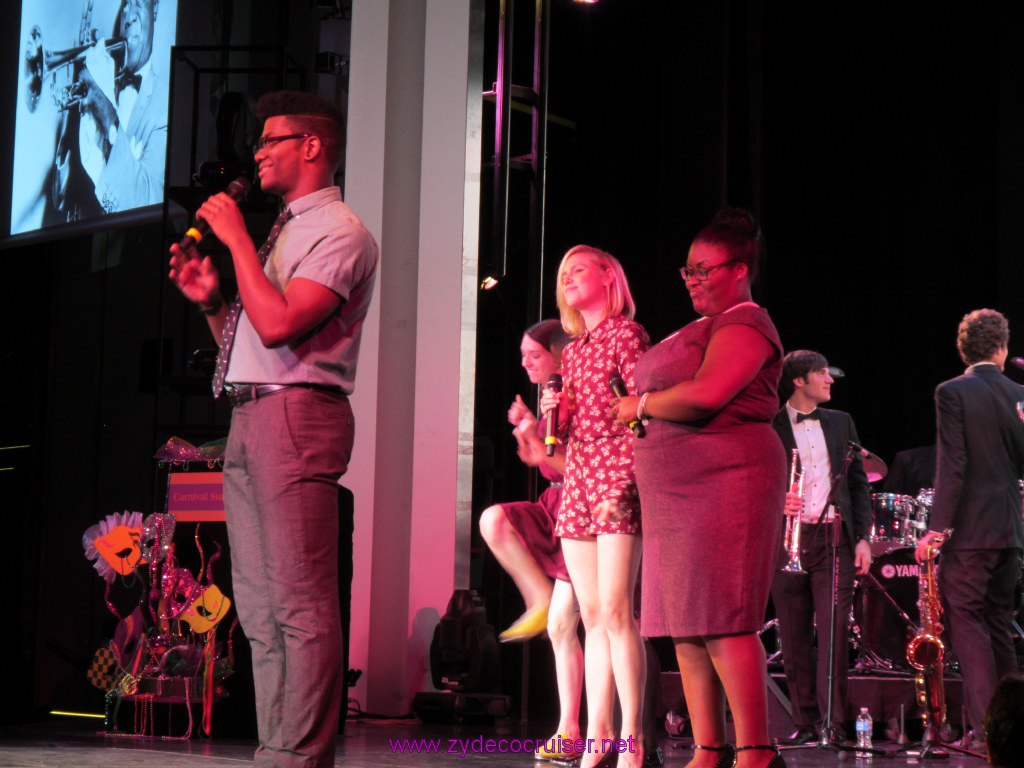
(641, 409)
(212, 307)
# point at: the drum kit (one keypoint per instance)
(885, 610)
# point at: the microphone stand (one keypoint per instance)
(828, 733)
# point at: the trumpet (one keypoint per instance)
(41, 63)
(792, 535)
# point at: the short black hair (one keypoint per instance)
(798, 364)
(1004, 723)
(309, 113)
(981, 334)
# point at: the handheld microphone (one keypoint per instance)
(618, 388)
(237, 190)
(1017, 361)
(550, 441)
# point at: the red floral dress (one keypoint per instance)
(599, 456)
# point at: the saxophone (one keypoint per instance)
(926, 650)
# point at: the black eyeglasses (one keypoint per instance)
(702, 273)
(266, 141)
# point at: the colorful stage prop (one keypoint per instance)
(166, 650)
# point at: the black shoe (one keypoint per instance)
(800, 736)
(776, 762)
(726, 754)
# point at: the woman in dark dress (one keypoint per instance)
(521, 534)
(711, 473)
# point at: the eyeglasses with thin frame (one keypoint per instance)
(265, 141)
(700, 274)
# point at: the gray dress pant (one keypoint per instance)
(285, 454)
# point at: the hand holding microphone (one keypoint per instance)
(618, 388)
(554, 386)
(237, 190)
(196, 276)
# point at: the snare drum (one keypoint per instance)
(892, 513)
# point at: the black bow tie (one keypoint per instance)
(815, 414)
(126, 80)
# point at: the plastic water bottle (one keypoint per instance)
(864, 726)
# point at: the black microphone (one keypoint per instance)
(861, 450)
(618, 388)
(550, 441)
(1017, 361)
(237, 190)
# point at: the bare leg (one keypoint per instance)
(565, 643)
(581, 561)
(705, 699)
(618, 559)
(514, 557)
(740, 663)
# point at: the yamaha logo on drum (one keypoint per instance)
(896, 570)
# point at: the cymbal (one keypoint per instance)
(873, 466)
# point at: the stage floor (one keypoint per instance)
(63, 744)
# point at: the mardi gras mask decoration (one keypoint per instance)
(207, 610)
(113, 544)
(156, 537)
(180, 590)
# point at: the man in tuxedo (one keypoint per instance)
(977, 507)
(803, 601)
(121, 138)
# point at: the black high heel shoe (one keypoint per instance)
(726, 755)
(775, 762)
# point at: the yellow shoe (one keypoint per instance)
(559, 749)
(530, 624)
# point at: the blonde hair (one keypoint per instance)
(618, 302)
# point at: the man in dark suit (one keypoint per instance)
(803, 601)
(977, 496)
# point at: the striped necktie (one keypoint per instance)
(227, 337)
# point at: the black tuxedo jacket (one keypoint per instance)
(980, 460)
(854, 497)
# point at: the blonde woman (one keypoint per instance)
(599, 518)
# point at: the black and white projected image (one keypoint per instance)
(91, 113)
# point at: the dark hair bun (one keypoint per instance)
(739, 220)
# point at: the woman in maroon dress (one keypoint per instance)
(599, 519)
(711, 473)
(521, 534)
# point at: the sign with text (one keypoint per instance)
(196, 496)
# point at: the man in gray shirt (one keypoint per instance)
(288, 351)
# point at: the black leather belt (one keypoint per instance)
(240, 394)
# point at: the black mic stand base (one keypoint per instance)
(933, 749)
(829, 742)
